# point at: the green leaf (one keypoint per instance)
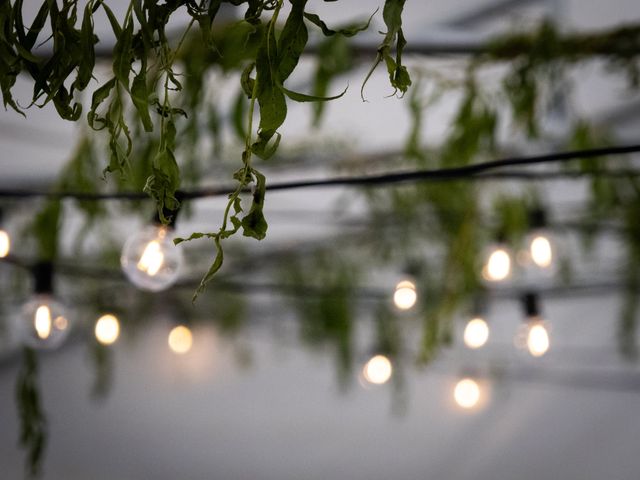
(398, 74)
(246, 82)
(254, 224)
(140, 98)
(348, 31)
(213, 269)
(88, 56)
(123, 54)
(115, 26)
(301, 97)
(293, 39)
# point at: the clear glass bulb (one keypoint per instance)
(498, 266)
(467, 393)
(541, 249)
(476, 333)
(377, 370)
(537, 338)
(150, 260)
(405, 295)
(44, 322)
(180, 339)
(5, 244)
(107, 329)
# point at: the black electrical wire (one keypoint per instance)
(481, 171)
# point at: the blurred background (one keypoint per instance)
(340, 345)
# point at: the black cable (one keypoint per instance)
(482, 171)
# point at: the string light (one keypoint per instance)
(498, 265)
(405, 295)
(150, 260)
(476, 333)
(536, 335)
(377, 370)
(5, 240)
(540, 246)
(107, 329)
(467, 393)
(180, 339)
(45, 321)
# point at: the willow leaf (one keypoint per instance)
(349, 31)
(302, 97)
(398, 74)
(140, 98)
(254, 224)
(293, 39)
(213, 269)
(123, 54)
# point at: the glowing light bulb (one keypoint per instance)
(107, 329)
(541, 251)
(150, 260)
(405, 295)
(467, 393)
(44, 322)
(377, 370)
(498, 266)
(180, 339)
(476, 333)
(537, 338)
(5, 244)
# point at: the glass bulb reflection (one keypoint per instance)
(5, 244)
(150, 260)
(44, 322)
(537, 338)
(405, 295)
(467, 393)
(180, 339)
(476, 333)
(498, 266)
(541, 251)
(377, 370)
(107, 329)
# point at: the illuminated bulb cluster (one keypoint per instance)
(150, 260)
(405, 295)
(45, 322)
(539, 253)
(378, 370)
(476, 333)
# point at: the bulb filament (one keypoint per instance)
(151, 259)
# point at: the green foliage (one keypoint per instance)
(33, 424)
(398, 73)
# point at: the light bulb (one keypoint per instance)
(107, 329)
(467, 393)
(537, 338)
(180, 339)
(5, 244)
(405, 295)
(498, 266)
(44, 323)
(377, 370)
(150, 260)
(476, 333)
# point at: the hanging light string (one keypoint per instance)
(477, 171)
(72, 269)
